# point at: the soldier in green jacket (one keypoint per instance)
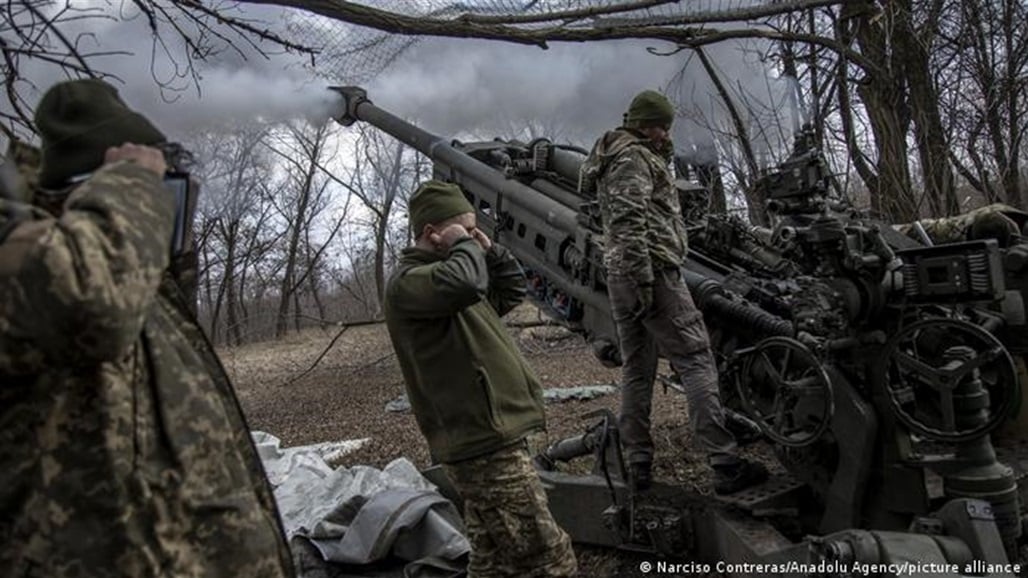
(123, 450)
(473, 394)
(645, 248)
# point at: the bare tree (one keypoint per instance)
(235, 209)
(355, 280)
(982, 64)
(306, 196)
(385, 172)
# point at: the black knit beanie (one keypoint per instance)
(78, 121)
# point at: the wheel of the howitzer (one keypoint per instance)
(784, 388)
(948, 380)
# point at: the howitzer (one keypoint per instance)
(869, 370)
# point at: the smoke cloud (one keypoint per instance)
(457, 87)
(230, 97)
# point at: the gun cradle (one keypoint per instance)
(876, 370)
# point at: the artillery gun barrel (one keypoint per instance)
(550, 203)
(462, 166)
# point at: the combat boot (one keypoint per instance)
(739, 475)
(640, 476)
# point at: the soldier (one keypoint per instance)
(996, 221)
(645, 247)
(123, 450)
(474, 396)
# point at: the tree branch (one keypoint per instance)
(324, 352)
(697, 17)
(396, 23)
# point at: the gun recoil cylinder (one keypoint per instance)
(710, 297)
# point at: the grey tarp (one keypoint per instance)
(362, 515)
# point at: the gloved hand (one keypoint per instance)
(643, 300)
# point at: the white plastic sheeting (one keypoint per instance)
(579, 393)
(362, 515)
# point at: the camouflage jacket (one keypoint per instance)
(18, 171)
(123, 451)
(471, 390)
(956, 228)
(642, 218)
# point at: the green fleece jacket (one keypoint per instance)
(471, 390)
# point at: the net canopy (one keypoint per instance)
(358, 41)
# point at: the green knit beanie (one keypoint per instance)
(649, 108)
(434, 202)
(78, 121)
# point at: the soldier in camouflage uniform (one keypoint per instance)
(473, 394)
(645, 247)
(996, 221)
(123, 450)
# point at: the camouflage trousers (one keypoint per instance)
(673, 327)
(509, 524)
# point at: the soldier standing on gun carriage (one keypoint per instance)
(123, 451)
(474, 396)
(996, 221)
(645, 244)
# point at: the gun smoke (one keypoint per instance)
(230, 98)
(571, 92)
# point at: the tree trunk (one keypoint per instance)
(313, 287)
(208, 285)
(232, 333)
(884, 97)
(893, 200)
(844, 33)
(380, 248)
(755, 201)
(932, 145)
(288, 287)
(297, 311)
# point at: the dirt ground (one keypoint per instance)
(344, 397)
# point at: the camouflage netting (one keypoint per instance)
(360, 53)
